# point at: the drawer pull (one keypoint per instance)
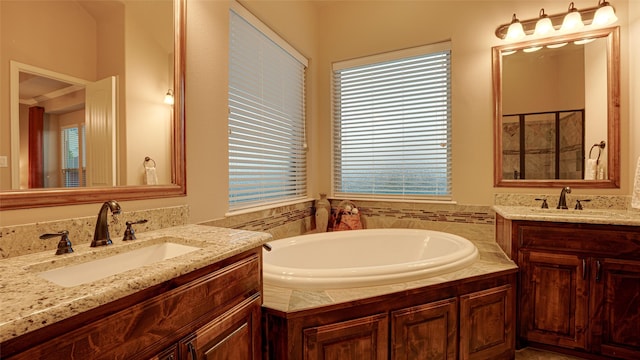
(598, 270)
(584, 269)
(192, 350)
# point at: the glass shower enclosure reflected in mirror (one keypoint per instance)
(547, 145)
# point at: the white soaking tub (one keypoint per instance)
(346, 259)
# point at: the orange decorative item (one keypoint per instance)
(347, 217)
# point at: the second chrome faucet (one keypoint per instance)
(101, 234)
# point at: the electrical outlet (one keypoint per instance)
(3, 161)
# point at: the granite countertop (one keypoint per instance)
(587, 216)
(491, 260)
(30, 302)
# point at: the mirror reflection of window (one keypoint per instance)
(73, 159)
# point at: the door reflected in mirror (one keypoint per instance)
(554, 99)
(94, 147)
(122, 51)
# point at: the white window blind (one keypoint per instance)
(267, 155)
(73, 160)
(392, 125)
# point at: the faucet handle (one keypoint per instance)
(544, 202)
(64, 245)
(579, 203)
(129, 233)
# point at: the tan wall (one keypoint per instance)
(332, 31)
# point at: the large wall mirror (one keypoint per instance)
(557, 111)
(85, 112)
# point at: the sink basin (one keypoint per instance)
(93, 270)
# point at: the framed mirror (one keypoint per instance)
(121, 45)
(557, 111)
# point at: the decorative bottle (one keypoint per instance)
(323, 208)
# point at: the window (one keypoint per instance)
(267, 152)
(392, 125)
(73, 159)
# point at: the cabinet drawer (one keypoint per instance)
(139, 329)
(604, 240)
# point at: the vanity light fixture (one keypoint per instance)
(555, 46)
(605, 14)
(515, 31)
(168, 97)
(545, 25)
(573, 20)
(583, 41)
(532, 49)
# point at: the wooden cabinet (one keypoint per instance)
(428, 331)
(554, 299)
(217, 309)
(615, 304)
(361, 338)
(579, 286)
(231, 336)
(470, 319)
(487, 324)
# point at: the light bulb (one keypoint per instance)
(168, 97)
(515, 31)
(532, 49)
(573, 20)
(605, 14)
(544, 25)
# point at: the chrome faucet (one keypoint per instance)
(562, 202)
(101, 235)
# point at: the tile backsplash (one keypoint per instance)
(24, 239)
(298, 219)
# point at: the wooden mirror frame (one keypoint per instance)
(31, 198)
(612, 35)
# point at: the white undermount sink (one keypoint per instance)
(97, 269)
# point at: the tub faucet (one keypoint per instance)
(562, 202)
(101, 235)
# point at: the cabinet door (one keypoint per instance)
(234, 335)
(554, 299)
(362, 338)
(426, 331)
(616, 308)
(487, 324)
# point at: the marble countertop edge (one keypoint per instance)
(587, 216)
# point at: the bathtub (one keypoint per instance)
(357, 258)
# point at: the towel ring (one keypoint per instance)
(600, 146)
(146, 160)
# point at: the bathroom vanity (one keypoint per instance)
(205, 302)
(579, 283)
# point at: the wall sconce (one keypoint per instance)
(574, 19)
(168, 97)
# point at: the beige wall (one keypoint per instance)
(331, 31)
(634, 84)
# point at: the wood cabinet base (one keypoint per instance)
(471, 319)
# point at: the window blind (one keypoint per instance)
(72, 155)
(267, 154)
(392, 125)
